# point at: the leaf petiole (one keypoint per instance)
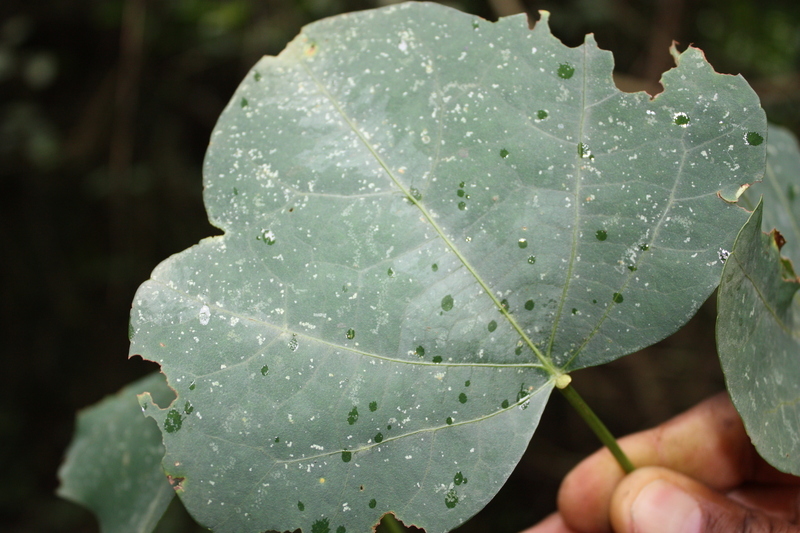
(598, 427)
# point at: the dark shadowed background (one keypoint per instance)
(106, 107)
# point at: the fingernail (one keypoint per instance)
(661, 507)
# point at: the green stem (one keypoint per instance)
(392, 525)
(598, 427)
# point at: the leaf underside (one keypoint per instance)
(757, 324)
(113, 465)
(428, 217)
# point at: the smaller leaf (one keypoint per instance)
(113, 465)
(757, 340)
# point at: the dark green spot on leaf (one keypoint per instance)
(462, 206)
(257, 76)
(682, 119)
(462, 398)
(351, 333)
(531, 259)
(529, 305)
(504, 153)
(420, 351)
(601, 235)
(541, 114)
(173, 421)
(504, 405)
(447, 303)
(378, 438)
(522, 243)
(565, 71)
(372, 503)
(753, 139)
(434, 267)
(373, 406)
(188, 408)
(352, 416)
(415, 194)
(617, 298)
(437, 359)
(492, 326)
(346, 456)
(264, 370)
(244, 102)
(323, 525)
(451, 499)
(459, 479)
(301, 506)
(449, 421)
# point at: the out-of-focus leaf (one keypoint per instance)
(428, 219)
(757, 324)
(113, 465)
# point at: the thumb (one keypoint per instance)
(658, 500)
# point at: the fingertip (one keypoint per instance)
(585, 493)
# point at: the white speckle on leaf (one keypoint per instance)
(204, 315)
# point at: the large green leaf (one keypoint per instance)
(428, 219)
(113, 465)
(757, 324)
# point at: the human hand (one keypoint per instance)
(697, 473)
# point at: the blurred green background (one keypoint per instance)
(106, 107)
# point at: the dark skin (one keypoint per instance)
(697, 473)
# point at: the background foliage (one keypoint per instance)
(105, 111)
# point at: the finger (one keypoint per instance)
(707, 443)
(658, 500)
(552, 524)
(778, 501)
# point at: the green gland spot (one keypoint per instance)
(351, 333)
(541, 114)
(257, 76)
(264, 370)
(373, 406)
(451, 498)
(617, 297)
(437, 359)
(447, 303)
(372, 503)
(492, 326)
(192, 385)
(504, 153)
(449, 421)
(565, 71)
(434, 267)
(531, 259)
(522, 243)
(415, 194)
(462, 206)
(347, 456)
(467, 383)
(301, 506)
(341, 529)
(504, 304)
(244, 102)
(682, 119)
(505, 404)
(390, 273)
(753, 139)
(420, 351)
(563, 380)
(352, 416)
(529, 305)
(188, 408)
(601, 235)
(460, 193)
(459, 479)
(644, 247)
(462, 398)
(173, 421)
(378, 438)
